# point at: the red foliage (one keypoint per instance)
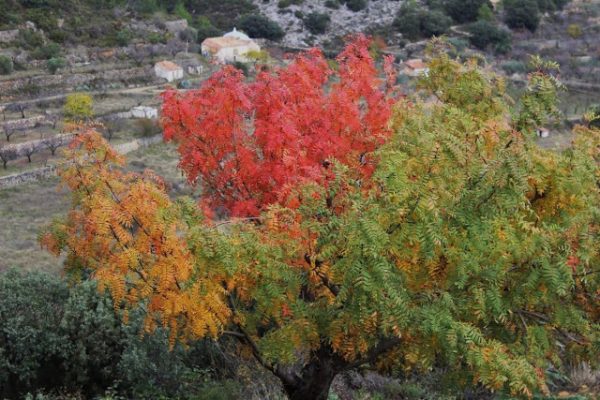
(249, 143)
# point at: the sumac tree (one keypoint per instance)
(441, 236)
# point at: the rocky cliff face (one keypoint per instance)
(343, 20)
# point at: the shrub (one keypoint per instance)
(486, 35)
(6, 65)
(123, 37)
(355, 5)
(54, 64)
(147, 127)
(51, 337)
(574, 31)
(317, 23)
(407, 21)
(47, 52)
(188, 35)
(485, 12)
(463, 11)
(78, 107)
(333, 4)
(30, 39)
(241, 66)
(434, 23)
(519, 14)
(287, 3)
(259, 26)
(182, 12)
(205, 28)
(415, 22)
(514, 67)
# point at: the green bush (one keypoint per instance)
(287, 3)
(123, 37)
(54, 64)
(51, 337)
(434, 23)
(407, 21)
(355, 5)
(6, 65)
(333, 4)
(415, 22)
(205, 28)
(317, 23)
(259, 26)
(55, 338)
(463, 11)
(51, 50)
(519, 14)
(182, 12)
(241, 66)
(30, 39)
(514, 67)
(486, 35)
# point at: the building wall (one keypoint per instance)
(232, 54)
(169, 75)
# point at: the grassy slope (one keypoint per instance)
(25, 209)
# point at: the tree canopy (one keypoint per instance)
(433, 232)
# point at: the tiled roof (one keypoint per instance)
(168, 65)
(416, 63)
(216, 43)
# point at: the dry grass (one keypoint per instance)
(25, 209)
(23, 212)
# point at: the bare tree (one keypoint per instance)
(30, 149)
(53, 143)
(8, 132)
(18, 107)
(112, 127)
(7, 153)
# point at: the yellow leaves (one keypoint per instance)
(122, 228)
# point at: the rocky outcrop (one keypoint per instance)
(343, 20)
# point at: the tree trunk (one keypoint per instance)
(314, 382)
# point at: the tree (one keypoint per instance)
(408, 20)
(7, 153)
(446, 238)
(463, 11)
(54, 64)
(355, 5)
(519, 14)
(485, 35)
(434, 23)
(317, 23)
(6, 65)
(414, 21)
(259, 26)
(28, 149)
(55, 142)
(8, 131)
(78, 107)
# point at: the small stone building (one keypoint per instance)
(168, 70)
(144, 112)
(231, 47)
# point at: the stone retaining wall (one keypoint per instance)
(74, 80)
(9, 36)
(49, 171)
(24, 123)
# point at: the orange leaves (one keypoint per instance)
(122, 228)
(247, 142)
